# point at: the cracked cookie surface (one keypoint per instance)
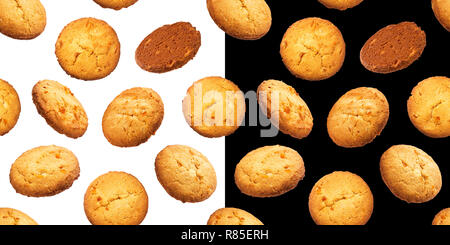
(10, 216)
(340, 4)
(115, 4)
(410, 174)
(341, 198)
(88, 49)
(9, 107)
(185, 173)
(233, 216)
(116, 198)
(22, 19)
(442, 218)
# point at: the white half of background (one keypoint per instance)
(23, 63)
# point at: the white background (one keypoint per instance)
(23, 63)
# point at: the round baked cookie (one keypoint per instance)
(393, 48)
(341, 198)
(313, 49)
(44, 171)
(442, 218)
(233, 216)
(185, 173)
(340, 4)
(9, 107)
(10, 216)
(88, 49)
(133, 117)
(429, 107)
(358, 117)
(245, 20)
(285, 108)
(410, 174)
(115, 4)
(220, 109)
(441, 9)
(59, 107)
(116, 198)
(22, 19)
(269, 171)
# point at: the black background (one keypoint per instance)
(248, 63)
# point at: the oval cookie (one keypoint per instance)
(59, 107)
(269, 171)
(233, 216)
(10, 216)
(168, 48)
(88, 49)
(393, 48)
(340, 4)
(44, 171)
(358, 117)
(186, 174)
(9, 107)
(442, 218)
(22, 19)
(115, 4)
(116, 198)
(132, 117)
(285, 108)
(246, 20)
(441, 9)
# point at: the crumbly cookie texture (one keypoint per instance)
(116, 198)
(429, 107)
(133, 117)
(340, 4)
(410, 174)
(442, 218)
(341, 198)
(241, 19)
(44, 171)
(88, 49)
(22, 19)
(313, 49)
(358, 117)
(10, 216)
(185, 173)
(115, 4)
(269, 171)
(9, 107)
(233, 216)
(60, 108)
(441, 9)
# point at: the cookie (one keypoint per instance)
(233, 216)
(214, 107)
(186, 174)
(442, 218)
(429, 107)
(245, 20)
(59, 107)
(10, 216)
(313, 49)
(44, 171)
(441, 9)
(269, 171)
(9, 107)
(115, 4)
(410, 174)
(116, 198)
(168, 48)
(88, 49)
(22, 19)
(358, 117)
(285, 108)
(393, 48)
(341, 198)
(133, 117)
(340, 4)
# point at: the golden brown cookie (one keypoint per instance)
(44, 171)
(441, 9)
(214, 107)
(233, 216)
(442, 218)
(115, 4)
(269, 171)
(168, 48)
(340, 4)
(116, 198)
(133, 117)
(410, 174)
(88, 49)
(59, 107)
(285, 108)
(241, 19)
(185, 173)
(393, 48)
(358, 117)
(341, 198)
(429, 107)
(313, 49)
(9, 107)
(10, 216)
(22, 19)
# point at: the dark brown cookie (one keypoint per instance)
(393, 48)
(168, 48)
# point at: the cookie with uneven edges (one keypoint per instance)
(9, 107)
(233, 216)
(22, 19)
(442, 218)
(340, 4)
(115, 4)
(10, 216)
